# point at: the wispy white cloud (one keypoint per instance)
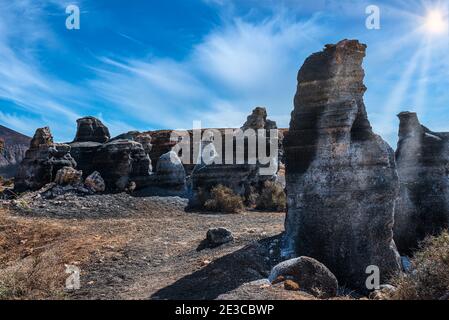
(233, 69)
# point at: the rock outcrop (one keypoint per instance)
(258, 120)
(121, 162)
(14, 148)
(91, 129)
(42, 161)
(244, 175)
(422, 159)
(341, 177)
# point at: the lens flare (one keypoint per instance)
(436, 23)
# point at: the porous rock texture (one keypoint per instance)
(422, 159)
(341, 177)
(42, 161)
(243, 178)
(91, 129)
(311, 275)
(121, 162)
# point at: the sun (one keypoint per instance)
(436, 22)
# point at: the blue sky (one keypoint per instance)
(153, 64)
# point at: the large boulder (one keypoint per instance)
(422, 159)
(311, 275)
(95, 182)
(91, 129)
(68, 176)
(121, 162)
(341, 178)
(42, 161)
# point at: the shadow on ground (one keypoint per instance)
(251, 263)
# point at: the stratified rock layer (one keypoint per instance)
(422, 159)
(121, 162)
(91, 129)
(341, 177)
(42, 161)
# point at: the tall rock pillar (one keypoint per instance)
(341, 177)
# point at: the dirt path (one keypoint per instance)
(163, 261)
(157, 250)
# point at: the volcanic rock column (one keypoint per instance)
(341, 177)
(422, 159)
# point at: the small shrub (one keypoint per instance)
(429, 279)
(223, 199)
(272, 198)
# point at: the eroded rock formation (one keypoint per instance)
(120, 162)
(91, 129)
(422, 160)
(341, 177)
(42, 161)
(258, 120)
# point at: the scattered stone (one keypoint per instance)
(95, 182)
(291, 285)
(341, 177)
(313, 276)
(384, 293)
(422, 159)
(68, 176)
(219, 236)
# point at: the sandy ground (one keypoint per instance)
(139, 248)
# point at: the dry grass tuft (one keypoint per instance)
(429, 279)
(34, 251)
(223, 199)
(272, 198)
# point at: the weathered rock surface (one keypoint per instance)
(91, 129)
(95, 182)
(422, 159)
(341, 177)
(244, 175)
(120, 162)
(42, 161)
(14, 148)
(68, 176)
(258, 120)
(311, 275)
(219, 236)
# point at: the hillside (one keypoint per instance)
(15, 146)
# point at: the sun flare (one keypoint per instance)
(436, 22)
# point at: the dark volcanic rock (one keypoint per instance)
(341, 177)
(422, 159)
(91, 129)
(311, 275)
(120, 162)
(84, 154)
(14, 148)
(258, 120)
(219, 236)
(42, 161)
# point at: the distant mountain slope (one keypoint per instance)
(15, 146)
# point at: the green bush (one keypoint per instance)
(223, 199)
(272, 198)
